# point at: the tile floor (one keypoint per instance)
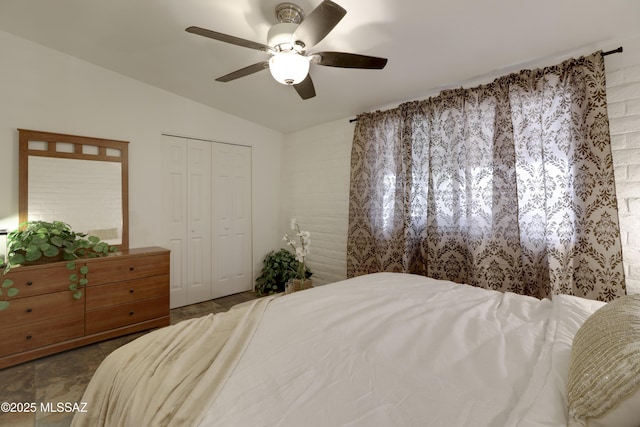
(63, 377)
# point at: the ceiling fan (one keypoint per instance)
(287, 43)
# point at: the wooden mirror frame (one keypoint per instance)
(78, 152)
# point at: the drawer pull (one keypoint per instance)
(130, 291)
(131, 313)
(29, 310)
(131, 268)
(29, 283)
(28, 337)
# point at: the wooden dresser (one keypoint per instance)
(127, 292)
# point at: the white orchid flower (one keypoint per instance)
(302, 250)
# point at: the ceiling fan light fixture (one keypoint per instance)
(289, 67)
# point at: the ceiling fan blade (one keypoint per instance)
(244, 71)
(315, 26)
(305, 88)
(227, 38)
(348, 60)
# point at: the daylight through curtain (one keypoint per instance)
(505, 186)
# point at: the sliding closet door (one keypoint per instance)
(188, 218)
(207, 218)
(232, 237)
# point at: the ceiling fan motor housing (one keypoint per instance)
(280, 36)
(289, 12)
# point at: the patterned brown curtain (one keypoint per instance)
(505, 186)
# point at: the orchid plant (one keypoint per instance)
(301, 250)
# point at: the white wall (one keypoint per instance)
(42, 89)
(317, 161)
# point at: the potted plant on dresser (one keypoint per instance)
(40, 242)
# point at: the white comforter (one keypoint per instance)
(403, 350)
(379, 350)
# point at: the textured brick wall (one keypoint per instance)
(623, 96)
(315, 189)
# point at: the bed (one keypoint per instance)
(385, 349)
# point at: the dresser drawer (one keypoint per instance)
(39, 334)
(126, 314)
(38, 280)
(41, 307)
(111, 269)
(103, 296)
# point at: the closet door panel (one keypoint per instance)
(199, 222)
(175, 215)
(242, 217)
(232, 244)
(222, 266)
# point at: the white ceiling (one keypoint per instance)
(430, 45)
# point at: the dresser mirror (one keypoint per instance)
(82, 181)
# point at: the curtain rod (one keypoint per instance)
(609, 52)
(618, 50)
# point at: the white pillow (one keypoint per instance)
(603, 388)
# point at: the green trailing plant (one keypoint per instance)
(41, 241)
(278, 268)
(8, 290)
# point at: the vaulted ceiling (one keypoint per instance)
(431, 45)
